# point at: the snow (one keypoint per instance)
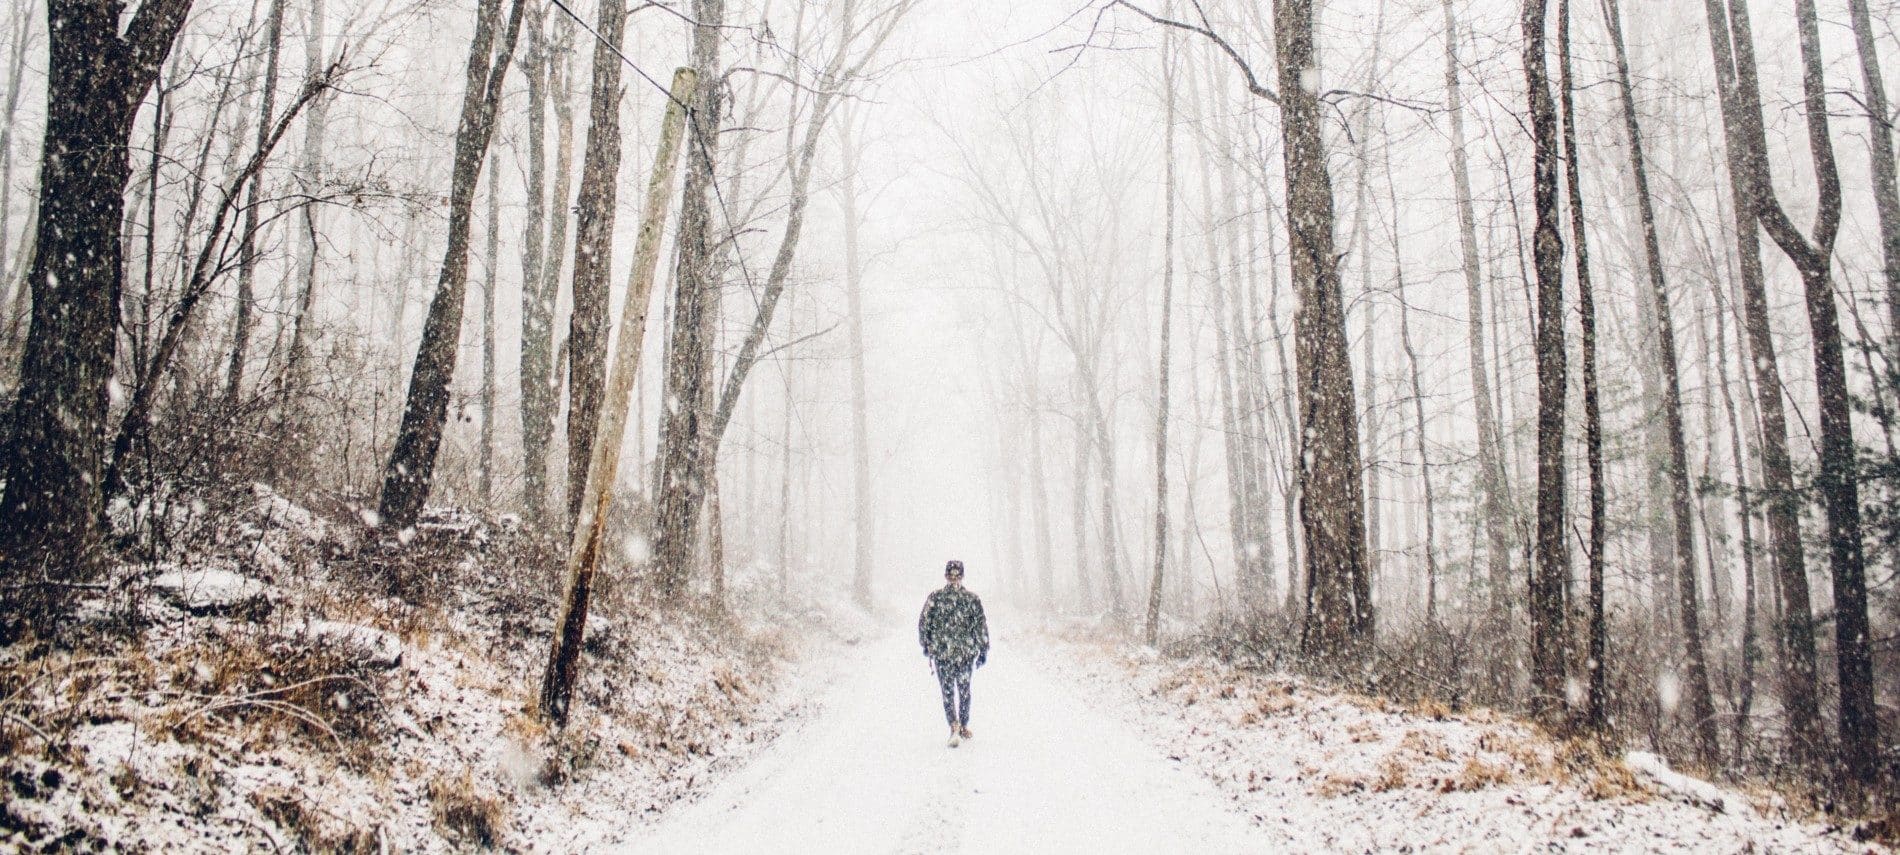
(204, 590)
(1324, 772)
(348, 720)
(381, 649)
(869, 772)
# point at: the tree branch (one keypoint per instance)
(1206, 31)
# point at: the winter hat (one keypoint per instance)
(954, 566)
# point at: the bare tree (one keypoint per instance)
(682, 483)
(1880, 152)
(1740, 126)
(593, 248)
(1596, 646)
(409, 475)
(1838, 481)
(247, 252)
(1491, 480)
(99, 70)
(1153, 624)
(1701, 707)
(1550, 572)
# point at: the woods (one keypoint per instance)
(1429, 351)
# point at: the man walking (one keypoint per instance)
(956, 638)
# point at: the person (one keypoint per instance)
(956, 638)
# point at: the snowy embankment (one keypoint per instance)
(1328, 772)
(276, 694)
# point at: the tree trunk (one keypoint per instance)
(1153, 626)
(603, 467)
(15, 70)
(247, 236)
(593, 251)
(1701, 705)
(1369, 312)
(860, 406)
(535, 376)
(1490, 461)
(1418, 405)
(1240, 511)
(1837, 482)
(685, 451)
(1595, 716)
(1751, 645)
(293, 380)
(409, 475)
(1039, 496)
(1079, 515)
(1781, 502)
(1339, 617)
(54, 454)
(1880, 150)
(1551, 571)
(487, 475)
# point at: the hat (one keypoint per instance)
(954, 566)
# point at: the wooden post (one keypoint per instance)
(557, 685)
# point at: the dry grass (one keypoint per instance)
(1338, 784)
(316, 829)
(464, 813)
(1393, 772)
(1432, 708)
(1426, 744)
(1476, 774)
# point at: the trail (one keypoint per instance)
(870, 773)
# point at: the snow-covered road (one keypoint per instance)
(870, 773)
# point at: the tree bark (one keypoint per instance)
(1782, 503)
(486, 486)
(1701, 705)
(1339, 615)
(864, 522)
(593, 250)
(1880, 150)
(1490, 461)
(247, 249)
(1595, 717)
(292, 379)
(410, 473)
(15, 70)
(534, 375)
(541, 363)
(603, 466)
(684, 445)
(1551, 571)
(1837, 481)
(54, 454)
(1153, 626)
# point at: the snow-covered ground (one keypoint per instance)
(274, 700)
(1094, 749)
(870, 772)
(1318, 771)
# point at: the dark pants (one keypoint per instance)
(953, 677)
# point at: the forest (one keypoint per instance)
(629, 361)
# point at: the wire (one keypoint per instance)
(692, 119)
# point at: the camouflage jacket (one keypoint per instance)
(952, 627)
